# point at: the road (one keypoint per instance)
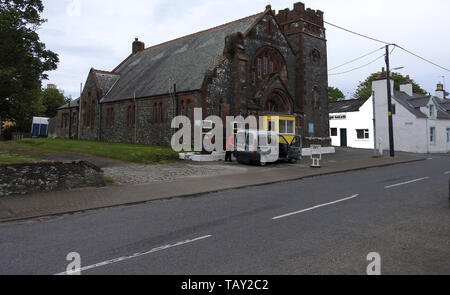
(322, 225)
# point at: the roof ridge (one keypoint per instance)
(204, 31)
(104, 72)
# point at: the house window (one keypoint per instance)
(92, 112)
(155, 112)
(161, 115)
(131, 115)
(286, 127)
(242, 69)
(182, 108)
(259, 67)
(110, 116)
(189, 109)
(433, 135)
(334, 132)
(432, 110)
(265, 65)
(361, 133)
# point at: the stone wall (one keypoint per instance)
(26, 178)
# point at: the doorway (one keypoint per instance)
(343, 137)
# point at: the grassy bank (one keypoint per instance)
(119, 151)
(7, 157)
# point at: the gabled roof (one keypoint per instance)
(186, 60)
(414, 103)
(105, 80)
(72, 104)
(414, 108)
(346, 106)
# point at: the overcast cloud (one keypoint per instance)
(99, 33)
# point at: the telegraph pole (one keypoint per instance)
(389, 94)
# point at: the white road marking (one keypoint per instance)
(406, 182)
(315, 207)
(138, 254)
(447, 173)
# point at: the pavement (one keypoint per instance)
(65, 202)
(318, 225)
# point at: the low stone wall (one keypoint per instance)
(26, 178)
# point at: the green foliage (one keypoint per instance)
(120, 151)
(51, 100)
(24, 60)
(7, 157)
(335, 94)
(364, 89)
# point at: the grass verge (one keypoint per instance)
(7, 157)
(125, 152)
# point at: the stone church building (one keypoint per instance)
(264, 63)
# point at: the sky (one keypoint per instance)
(99, 33)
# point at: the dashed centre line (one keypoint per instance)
(315, 207)
(406, 182)
(138, 254)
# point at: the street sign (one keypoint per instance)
(316, 155)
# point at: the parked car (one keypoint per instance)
(259, 147)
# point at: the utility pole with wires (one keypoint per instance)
(389, 95)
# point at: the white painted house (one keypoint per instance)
(351, 123)
(421, 123)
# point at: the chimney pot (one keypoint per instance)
(138, 46)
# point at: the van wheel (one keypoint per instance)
(293, 161)
(262, 164)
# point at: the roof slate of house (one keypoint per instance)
(72, 104)
(346, 106)
(414, 103)
(186, 60)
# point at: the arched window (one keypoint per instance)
(161, 115)
(316, 97)
(315, 57)
(182, 108)
(268, 60)
(189, 109)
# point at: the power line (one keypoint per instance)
(387, 43)
(360, 67)
(422, 58)
(356, 59)
(361, 35)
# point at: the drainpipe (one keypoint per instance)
(79, 112)
(99, 132)
(135, 118)
(374, 125)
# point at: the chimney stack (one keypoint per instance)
(407, 86)
(440, 91)
(138, 46)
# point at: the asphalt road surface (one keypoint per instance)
(322, 225)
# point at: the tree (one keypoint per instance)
(364, 89)
(24, 60)
(335, 94)
(51, 100)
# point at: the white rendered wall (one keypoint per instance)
(363, 119)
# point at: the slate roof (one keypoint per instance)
(346, 106)
(70, 105)
(186, 60)
(403, 99)
(105, 80)
(414, 103)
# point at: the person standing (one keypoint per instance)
(230, 149)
